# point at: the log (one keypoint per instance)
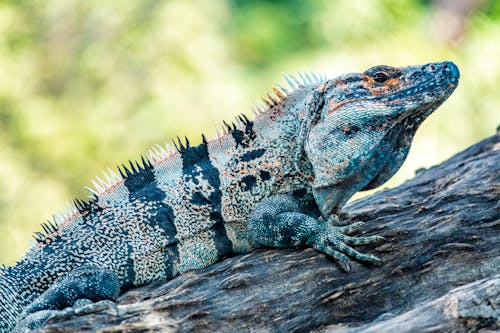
(439, 273)
(469, 308)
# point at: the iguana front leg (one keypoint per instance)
(74, 293)
(278, 221)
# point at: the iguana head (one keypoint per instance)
(365, 126)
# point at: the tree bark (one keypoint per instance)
(442, 231)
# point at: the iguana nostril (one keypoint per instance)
(432, 67)
(449, 68)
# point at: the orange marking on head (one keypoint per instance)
(393, 81)
(334, 106)
(381, 88)
(322, 87)
(368, 81)
(340, 84)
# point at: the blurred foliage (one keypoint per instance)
(85, 85)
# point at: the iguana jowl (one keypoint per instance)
(279, 180)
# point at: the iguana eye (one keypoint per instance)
(380, 77)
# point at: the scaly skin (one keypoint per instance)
(279, 180)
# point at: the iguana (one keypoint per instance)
(279, 180)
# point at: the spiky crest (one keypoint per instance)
(159, 153)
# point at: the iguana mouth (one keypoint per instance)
(434, 94)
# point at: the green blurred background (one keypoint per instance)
(86, 84)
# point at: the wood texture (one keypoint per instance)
(442, 231)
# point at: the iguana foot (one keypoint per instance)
(278, 222)
(84, 290)
(334, 241)
(86, 306)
